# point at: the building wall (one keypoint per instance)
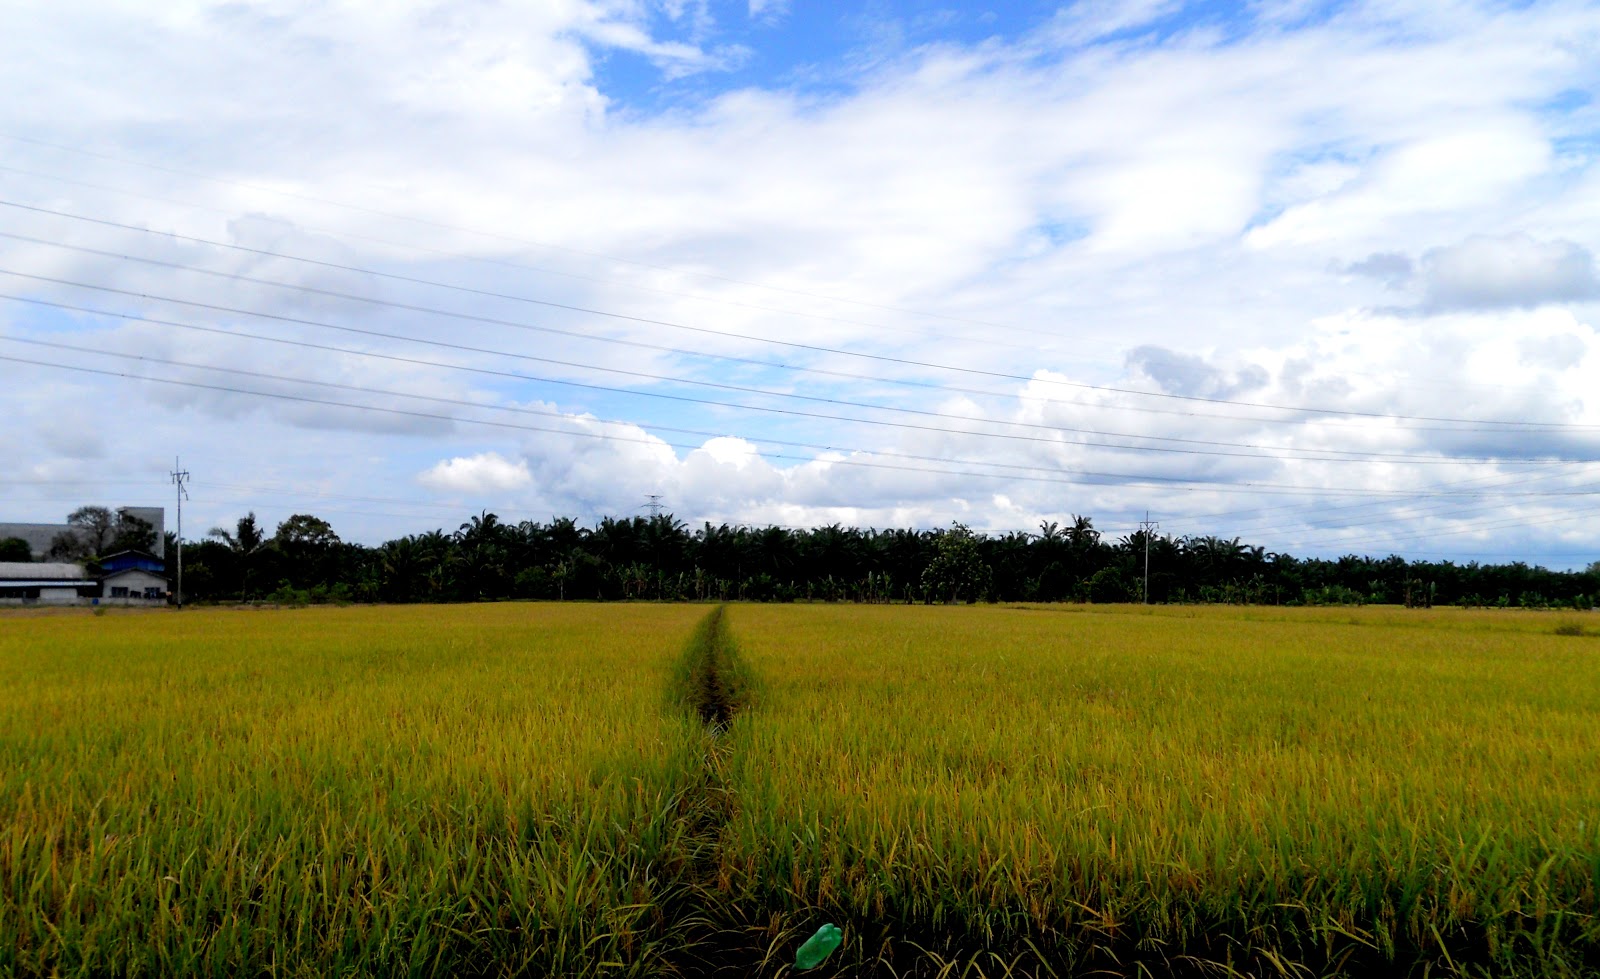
(136, 583)
(33, 583)
(156, 517)
(63, 594)
(39, 535)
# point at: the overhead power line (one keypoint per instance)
(641, 320)
(747, 389)
(1495, 480)
(1407, 512)
(211, 488)
(1476, 528)
(988, 341)
(1511, 425)
(1078, 337)
(517, 409)
(1408, 508)
(1269, 451)
(463, 403)
(1123, 479)
(513, 239)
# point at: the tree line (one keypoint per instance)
(661, 558)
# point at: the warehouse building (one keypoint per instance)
(128, 578)
(46, 584)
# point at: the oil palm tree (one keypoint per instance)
(245, 542)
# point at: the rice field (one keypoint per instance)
(548, 789)
(379, 791)
(1028, 791)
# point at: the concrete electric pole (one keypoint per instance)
(1146, 526)
(179, 477)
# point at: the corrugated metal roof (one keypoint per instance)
(20, 571)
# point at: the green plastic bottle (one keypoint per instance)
(818, 947)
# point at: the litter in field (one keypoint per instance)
(818, 947)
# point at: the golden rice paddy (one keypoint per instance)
(524, 789)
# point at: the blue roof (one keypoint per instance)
(126, 560)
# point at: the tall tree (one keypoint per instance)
(91, 528)
(481, 548)
(245, 543)
(246, 538)
(403, 565)
(311, 554)
(957, 571)
(302, 530)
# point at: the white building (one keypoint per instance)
(133, 578)
(133, 586)
(127, 578)
(46, 584)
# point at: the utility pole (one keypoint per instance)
(1146, 526)
(179, 477)
(655, 505)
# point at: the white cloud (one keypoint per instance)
(1393, 269)
(1515, 270)
(768, 11)
(485, 473)
(1157, 214)
(1452, 172)
(1088, 20)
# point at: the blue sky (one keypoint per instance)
(824, 51)
(1321, 276)
(814, 48)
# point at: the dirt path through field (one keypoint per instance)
(712, 684)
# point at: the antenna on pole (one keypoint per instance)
(655, 506)
(1146, 526)
(179, 477)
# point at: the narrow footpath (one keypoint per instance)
(714, 689)
(711, 682)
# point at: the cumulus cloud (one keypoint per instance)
(1393, 269)
(1485, 272)
(1557, 352)
(1186, 374)
(1414, 178)
(484, 473)
(1093, 203)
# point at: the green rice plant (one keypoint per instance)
(1010, 791)
(478, 790)
(506, 790)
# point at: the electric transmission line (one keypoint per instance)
(1124, 479)
(1515, 425)
(1268, 451)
